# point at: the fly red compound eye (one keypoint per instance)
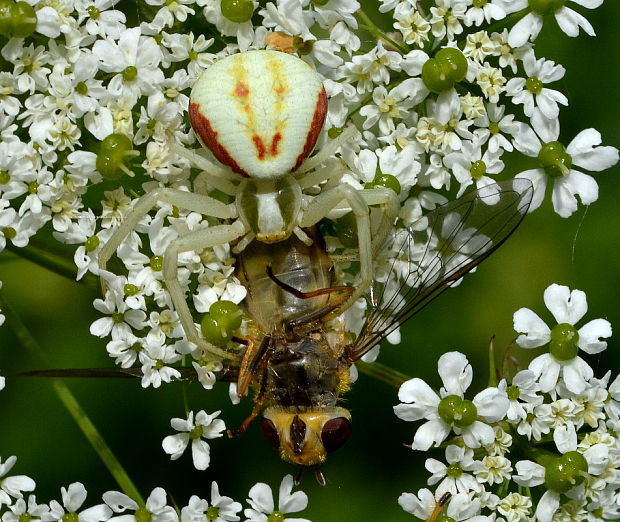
(270, 433)
(335, 433)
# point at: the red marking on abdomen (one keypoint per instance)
(241, 90)
(202, 127)
(315, 128)
(275, 141)
(260, 147)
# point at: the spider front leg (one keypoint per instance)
(196, 240)
(322, 205)
(179, 198)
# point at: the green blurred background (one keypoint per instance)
(366, 477)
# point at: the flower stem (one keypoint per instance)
(383, 373)
(52, 262)
(367, 24)
(71, 404)
(492, 369)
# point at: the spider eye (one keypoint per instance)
(270, 432)
(335, 433)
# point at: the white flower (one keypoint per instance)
(495, 469)
(224, 509)
(568, 308)
(515, 507)
(154, 359)
(22, 511)
(450, 410)
(411, 24)
(460, 507)
(206, 426)
(121, 318)
(135, 59)
(523, 390)
(445, 18)
(569, 21)
(72, 499)
(263, 507)
(453, 477)
(470, 165)
(156, 507)
(562, 474)
(557, 163)
(492, 10)
(103, 21)
(532, 93)
(2, 318)
(387, 107)
(12, 486)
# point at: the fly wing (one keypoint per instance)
(418, 263)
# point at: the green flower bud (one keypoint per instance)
(17, 19)
(446, 68)
(555, 160)
(114, 151)
(566, 472)
(238, 11)
(346, 230)
(91, 244)
(386, 181)
(564, 339)
(156, 263)
(478, 169)
(219, 324)
(543, 7)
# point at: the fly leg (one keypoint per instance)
(252, 357)
(259, 404)
(322, 205)
(338, 296)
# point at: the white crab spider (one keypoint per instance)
(260, 113)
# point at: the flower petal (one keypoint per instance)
(547, 506)
(590, 334)
(433, 431)
(533, 329)
(261, 498)
(492, 404)
(570, 21)
(456, 373)
(290, 502)
(566, 306)
(200, 454)
(478, 434)
(547, 370)
(575, 374)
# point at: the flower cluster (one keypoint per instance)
(541, 446)
(14, 506)
(93, 116)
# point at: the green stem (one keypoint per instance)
(492, 368)
(68, 399)
(367, 24)
(383, 373)
(52, 262)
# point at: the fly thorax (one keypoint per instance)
(269, 207)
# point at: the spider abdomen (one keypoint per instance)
(259, 112)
